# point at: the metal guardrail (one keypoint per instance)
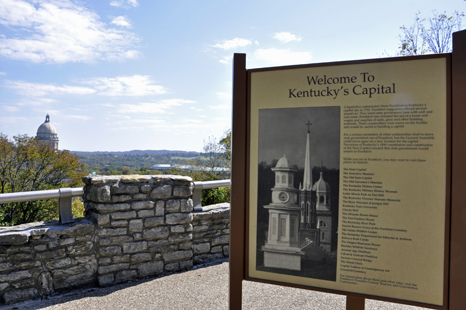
(200, 185)
(64, 196)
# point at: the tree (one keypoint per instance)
(26, 164)
(436, 37)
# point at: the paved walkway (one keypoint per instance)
(201, 288)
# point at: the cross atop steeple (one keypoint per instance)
(308, 126)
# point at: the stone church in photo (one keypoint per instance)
(299, 218)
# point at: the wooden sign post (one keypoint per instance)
(348, 178)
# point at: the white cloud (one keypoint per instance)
(122, 21)
(226, 60)
(13, 120)
(152, 107)
(136, 85)
(10, 108)
(38, 89)
(2, 73)
(229, 44)
(224, 95)
(221, 106)
(60, 31)
(286, 37)
(276, 57)
(120, 3)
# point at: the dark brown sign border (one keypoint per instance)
(455, 226)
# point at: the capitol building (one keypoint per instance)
(47, 133)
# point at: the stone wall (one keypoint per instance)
(135, 227)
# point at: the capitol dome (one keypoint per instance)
(47, 133)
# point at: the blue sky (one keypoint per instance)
(118, 75)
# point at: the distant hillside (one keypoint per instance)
(136, 161)
(141, 152)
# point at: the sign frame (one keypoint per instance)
(455, 229)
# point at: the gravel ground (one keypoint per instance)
(201, 288)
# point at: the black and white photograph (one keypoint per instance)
(298, 191)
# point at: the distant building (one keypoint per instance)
(47, 133)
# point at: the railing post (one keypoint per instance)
(64, 205)
(197, 192)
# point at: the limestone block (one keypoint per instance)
(15, 276)
(150, 268)
(23, 283)
(20, 256)
(224, 239)
(177, 255)
(125, 275)
(121, 198)
(72, 271)
(105, 208)
(200, 228)
(112, 268)
(185, 245)
(226, 250)
(14, 296)
(3, 286)
(204, 258)
(155, 233)
(45, 283)
(123, 215)
(103, 219)
(105, 280)
(172, 205)
(172, 266)
(197, 216)
(121, 259)
(135, 178)
(217, 249)
(66, 241)
(121, 223)
(146, 188)
(14, 238)
(112, 232)
(160, 208)
(59, 263)
(51, 254)
(146, 213)
(5, 266)
(120, 239)
(105, 261)
(139, 205)
(110, 250)
(135, 226)
(85, 259)
(125, 189)
(180, 238)
(187, 205)
(81, 248)
(153, 221)
(187, 264)
(134, 247)
(78, 280)
(179, 218)
(140, 196)
(183, 191)
(100, 193)
(201, 248)
(177, 229)
(161, 192)
(140, 257)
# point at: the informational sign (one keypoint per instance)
(347, 177)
